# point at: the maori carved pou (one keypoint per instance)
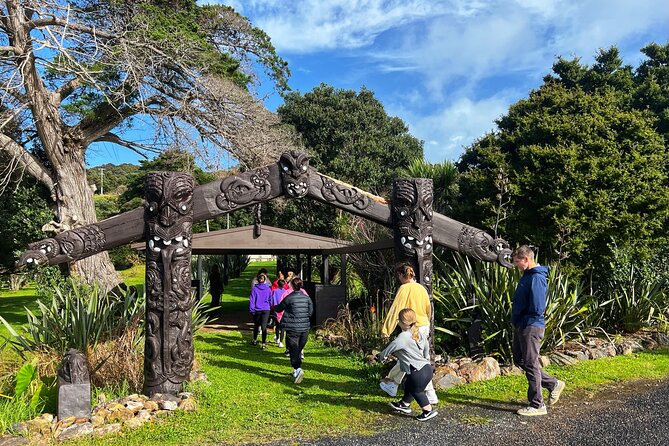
(295, 173)
(74, 244)
(412, 220)
(168, 349)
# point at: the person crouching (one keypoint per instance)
(297, 310)
(413, 354)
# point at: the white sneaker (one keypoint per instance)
(389, 387)
(299, 376)
(280, 344)
(530, 411)
(555, 394)
(275, 338)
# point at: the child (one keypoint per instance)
(277, 297)
(413, 354)
(297, 308)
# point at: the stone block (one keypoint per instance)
(76, 430)
(74, 400)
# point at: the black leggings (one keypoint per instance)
(260, 319)
(414, 386)
(279, 331)
(295, 342)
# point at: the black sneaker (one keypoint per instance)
(286, 353)
(427, 415)
(401, 406)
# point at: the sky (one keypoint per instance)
(447, 68)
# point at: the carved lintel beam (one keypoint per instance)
(295, 173)
(168, 347)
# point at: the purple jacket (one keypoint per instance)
(261, 296)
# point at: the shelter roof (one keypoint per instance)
(242, 240)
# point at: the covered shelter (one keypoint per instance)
(255, 239)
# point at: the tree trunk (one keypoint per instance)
(75, 207)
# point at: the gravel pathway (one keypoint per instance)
(625, 414)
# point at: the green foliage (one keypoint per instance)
(469, 286)
(76, 316)
(444, 178)
(106, 206)
(30, 395)
(585, 164)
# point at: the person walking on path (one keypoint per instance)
(215, 287)
(277, 297)
(413, 295)
(296, 320)
(259, 306)
(527, 317)
(412, 351)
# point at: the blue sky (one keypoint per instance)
(448, 68)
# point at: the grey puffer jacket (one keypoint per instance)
(297, 308)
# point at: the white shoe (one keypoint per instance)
(299, 376)
(275, 338)
(530, 411)
(280, 344)
(389, 387)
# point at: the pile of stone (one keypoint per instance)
(465, 370)
(107, 417)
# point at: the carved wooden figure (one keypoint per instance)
(168, 349)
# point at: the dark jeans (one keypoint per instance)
(279, 331)
(526, 345)
(414, 386)
(295, 342)
(260, 319)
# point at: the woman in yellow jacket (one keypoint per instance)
(410, 294)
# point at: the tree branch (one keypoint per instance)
(54, 21)
(135, 147)
(31, 164)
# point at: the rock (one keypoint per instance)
(20, 428)
(661, 338)
(151, 405)
(74, 400)
(97, 420)
(133, 423)
(610, 350)
(486, 368)
(596, 353)
(509, 370)
(445, 377)
(184, 395)
(40, 425)
(134, 406)
(168, 405)
(158, 397)
(562, 359)
(113, 407)
(578, 354)
(107, 429)
(120, 415)
(143, 415)
(75, 430)
(197, 376)
(649, 343)
(65, 422)
(10, 440)
(544, 361)
(102, 398)
(187, 405)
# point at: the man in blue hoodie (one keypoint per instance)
(527, 316)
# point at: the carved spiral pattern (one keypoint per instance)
(238, 190)
(334, 192)
(480, 245)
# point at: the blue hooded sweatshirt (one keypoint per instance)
(529, 300)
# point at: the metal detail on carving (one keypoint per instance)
(237, 191)
(335, 192)
(480, 245)
(295, 173)
(168, 349)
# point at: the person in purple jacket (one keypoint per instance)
(277, 297)
(259, 306)
(527, 315)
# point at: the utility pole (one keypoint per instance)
(102, 181)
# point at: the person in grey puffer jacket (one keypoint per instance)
(296, 321)
(412, 351)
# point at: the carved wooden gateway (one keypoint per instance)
(172, 205)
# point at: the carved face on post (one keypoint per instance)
(168, 356)
(295, 173)
(412, 211)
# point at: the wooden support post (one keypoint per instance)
(344, 257)
(299, 271)
(412, 224)
(168, 345)
(308, 267)
(325, 277)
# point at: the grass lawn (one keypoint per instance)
(251, 398)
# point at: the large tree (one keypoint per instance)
(350, 137)
(77, 72)
(578, 167)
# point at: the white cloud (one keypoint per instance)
(448, 130)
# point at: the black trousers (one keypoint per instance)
(295, 342)
(260, 319)
(414, 386)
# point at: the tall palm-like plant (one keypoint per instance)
(444, 177)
